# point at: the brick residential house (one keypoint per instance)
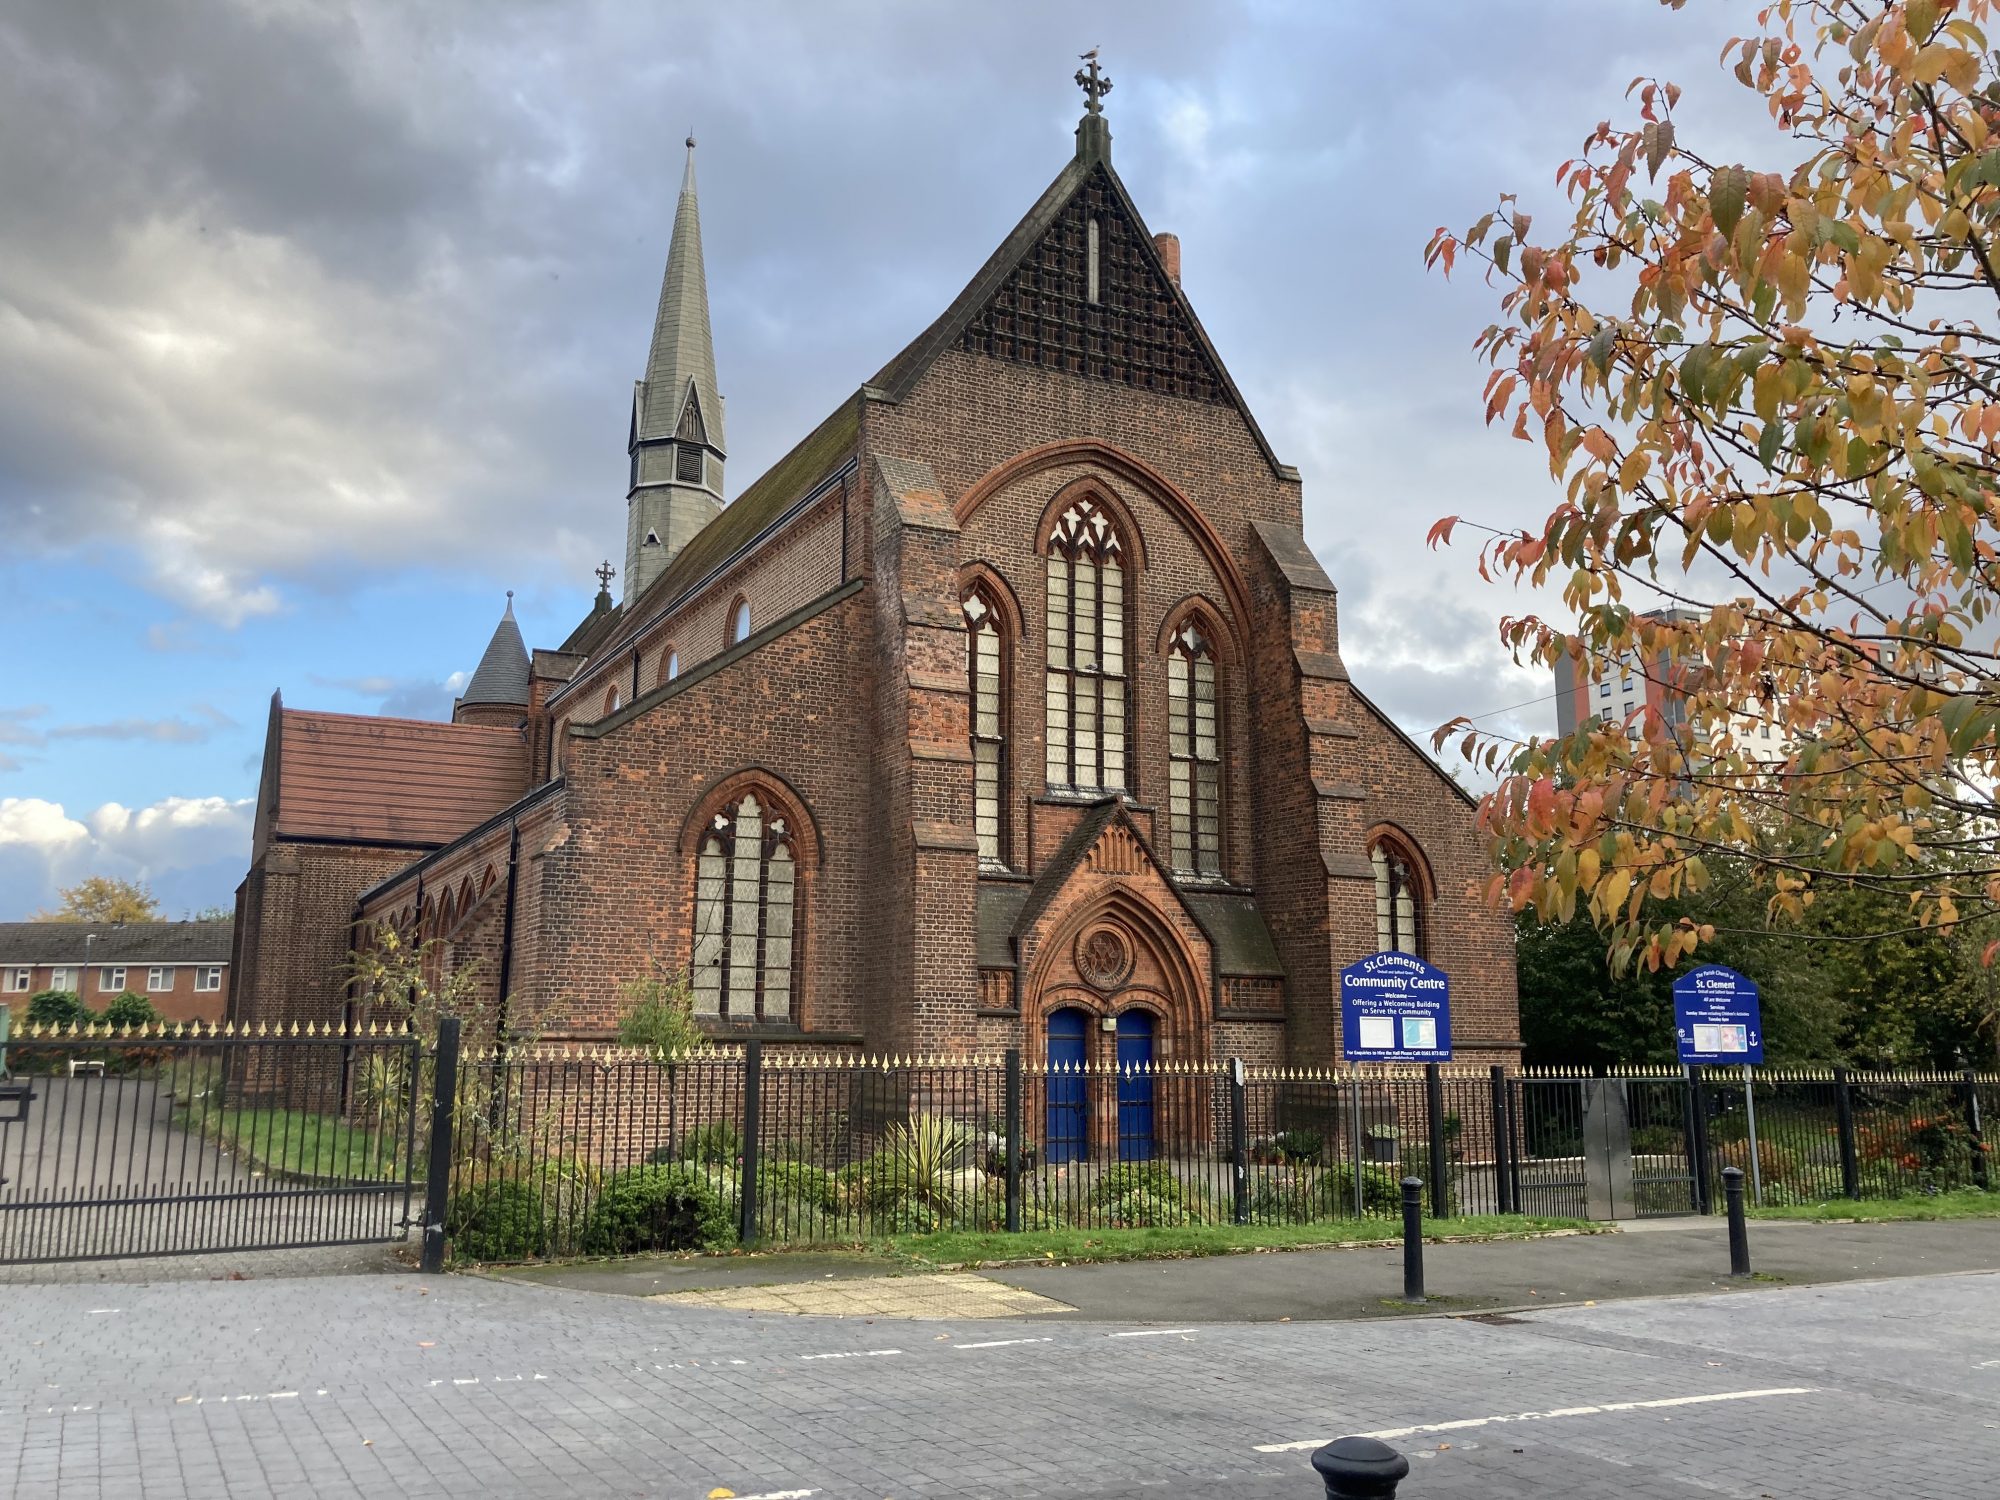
(1006, 709)
(181, 967)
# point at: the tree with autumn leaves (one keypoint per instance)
(1770, 395)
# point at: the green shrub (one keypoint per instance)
(1147, 1195)
(928, 1161)
(504, 1220)
(1299, 1145)
(656, 1208)
(717, 1143)
(795, 1200)
(1417, 1163)
(58, 1008)
(130, 1009)
(1312, 1197)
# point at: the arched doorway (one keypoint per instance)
(1135, 1085)
(1068, 1133)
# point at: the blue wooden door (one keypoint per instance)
(1068, 1131)
(1135, 1086)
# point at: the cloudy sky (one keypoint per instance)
(318, 319)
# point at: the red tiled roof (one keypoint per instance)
(396, 781)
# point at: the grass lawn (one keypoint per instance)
(976, 1247)
(298, 1143)
(1966, 1203)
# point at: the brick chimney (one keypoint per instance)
(1169, 246)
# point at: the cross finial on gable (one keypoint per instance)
(605, 573)
(1095, 85)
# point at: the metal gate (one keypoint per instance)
(182, 1140)
(1613, 1146)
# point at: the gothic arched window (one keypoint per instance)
(987, 682)
(1194, 749)
(1399, 902)
(670, 666)
(739, 622)
(1086, 657)
(746, 882)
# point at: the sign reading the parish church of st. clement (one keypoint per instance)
(1394, 1007)
(1717, 1018)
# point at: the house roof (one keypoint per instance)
(391, 781)
(502, 674)
(127, 943)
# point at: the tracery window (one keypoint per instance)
(746, 880)
(1086, 655)
(983, 655)
(1194, 749)
(1398, 899)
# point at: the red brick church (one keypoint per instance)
(1007, 705)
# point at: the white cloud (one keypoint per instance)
(190, 850)
(39, 825)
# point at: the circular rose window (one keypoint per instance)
(1104, 958)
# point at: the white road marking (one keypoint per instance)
(1002, 1343)
(1388, 1433)
(780, 1495)
(1148, 1333)
(853, 1354)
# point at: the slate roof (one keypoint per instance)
(502, 673)
(683, 349)
(391, 781)
(787, 481)
(128, 943)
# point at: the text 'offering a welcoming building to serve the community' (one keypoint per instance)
(1394, 1007)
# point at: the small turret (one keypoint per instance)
(498, 691)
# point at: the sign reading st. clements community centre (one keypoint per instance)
(1394, 1007)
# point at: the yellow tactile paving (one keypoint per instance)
(945, 1295)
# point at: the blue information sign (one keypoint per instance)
(1394, 1007)
(1717, 1018)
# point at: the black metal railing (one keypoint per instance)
(169, 1140)
(600, 1150)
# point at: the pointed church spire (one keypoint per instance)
(676, 443)
(501, 679)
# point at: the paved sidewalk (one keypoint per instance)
(1677, 1257)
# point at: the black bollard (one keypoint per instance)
(1739, 1232)
(1359, 1468)
(1413, 1241)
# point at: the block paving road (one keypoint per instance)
(452, 1386)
